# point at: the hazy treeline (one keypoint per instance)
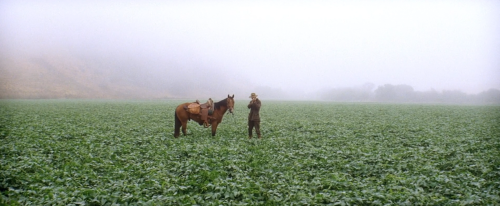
(406, 93)
(84, 76)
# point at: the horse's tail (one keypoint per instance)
(177, 126)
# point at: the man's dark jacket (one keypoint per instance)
(254, 110)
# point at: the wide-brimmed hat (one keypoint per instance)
(253, 95)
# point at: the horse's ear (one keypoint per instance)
(228, 96)
(232, 96)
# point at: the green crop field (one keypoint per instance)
(68, 152)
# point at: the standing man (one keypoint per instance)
(254, 117)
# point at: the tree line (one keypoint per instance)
(406, 94)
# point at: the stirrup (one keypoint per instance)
(206, 124)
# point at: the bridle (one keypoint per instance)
(230, 109)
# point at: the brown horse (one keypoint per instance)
(182, 116)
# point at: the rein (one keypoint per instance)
(234, 120)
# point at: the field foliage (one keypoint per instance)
(62, 152)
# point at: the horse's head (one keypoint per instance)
(230, 103)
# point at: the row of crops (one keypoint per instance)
(67, 152)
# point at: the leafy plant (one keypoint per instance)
(64, 152)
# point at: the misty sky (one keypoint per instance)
(296, 46)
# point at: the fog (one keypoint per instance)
(278, 49)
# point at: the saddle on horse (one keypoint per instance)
(204, 110)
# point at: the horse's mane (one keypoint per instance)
(221, 103)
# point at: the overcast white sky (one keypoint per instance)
(292, 45)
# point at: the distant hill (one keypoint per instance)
(66, 76)
(59, 75)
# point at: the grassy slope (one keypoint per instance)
(65, 76)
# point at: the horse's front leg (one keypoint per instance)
(214, 128)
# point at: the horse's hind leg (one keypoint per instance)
(177, 126)
(177, 130)
(184, 128)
